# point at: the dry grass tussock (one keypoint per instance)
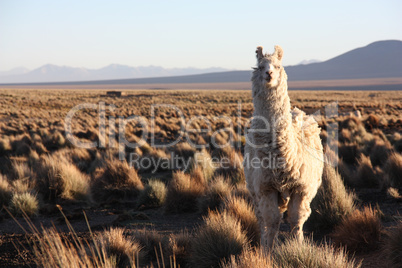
(366, 175)
(117, 180)
(183, 193)
(359, 231)
(180, 246)
(59, 178)
(231, 167)
(251, 257)
(184, 149)
(242, 210)
(5, 146)
(392, 247)
(151, 243)
(203, 160)
(380, 152)
(368, 160)
(123, 250)
(220, 237)
(24, 203)
(6, 191)
(21, 170)
(332, 202)
(153, 194)
(393, 170)
(53, 249)
(218, 189)
(293, 253)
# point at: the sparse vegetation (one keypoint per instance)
(332, 202)
(24, 203)
(293, 253)
(243, 211)
(56, 250)
(393, 170)
(117, 181)
(217, 191)
(183, 193)
(40, 168)
(359, 231)
(392, 247)
(217, 240)
(250, 258)
(180, 244)
(58, 178)
(121, 249)
(153, 194)
(5, 191)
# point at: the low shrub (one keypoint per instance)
(244, 212)
(251, 257)
(123, 250)
(217, 191)
(21, 170)
(348, 153)
(58, 178)
(55, 250)
(392, 247)
(180, 246)
(116, 181)
(151, 241)
(5, 146)
(204, 160)
(360, 231)
(293, 253)
(24, 203)
(153, 194)
(332, 202)
(393, 170)
(5, 191)
(184, 149)
(183, 193)
(231, 167)
(366, 175)
(380, 152)
(217, 240)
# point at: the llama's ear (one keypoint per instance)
(259, 53)
(278, 52)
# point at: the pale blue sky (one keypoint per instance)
(93, 34)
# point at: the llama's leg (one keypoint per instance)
(258, 214)
(271, 217)
(256, 201)
(298, 212)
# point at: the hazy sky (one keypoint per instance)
(93, 34)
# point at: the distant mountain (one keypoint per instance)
(15, 71)
(377, 60)
(382, 59)
(54, 73)
(304, 62)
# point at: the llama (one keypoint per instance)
(289, 142)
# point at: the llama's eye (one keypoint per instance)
(277, 67)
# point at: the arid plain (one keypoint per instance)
(165, 180)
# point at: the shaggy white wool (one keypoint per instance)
(290, 140)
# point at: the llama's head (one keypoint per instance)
(269, 67)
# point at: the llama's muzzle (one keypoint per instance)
(269, 77)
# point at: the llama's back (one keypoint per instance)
(308, 133)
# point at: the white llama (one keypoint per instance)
(283, 153)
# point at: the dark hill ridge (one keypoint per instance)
(382, 59)
(377, 60)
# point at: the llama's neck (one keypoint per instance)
(273, 104)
